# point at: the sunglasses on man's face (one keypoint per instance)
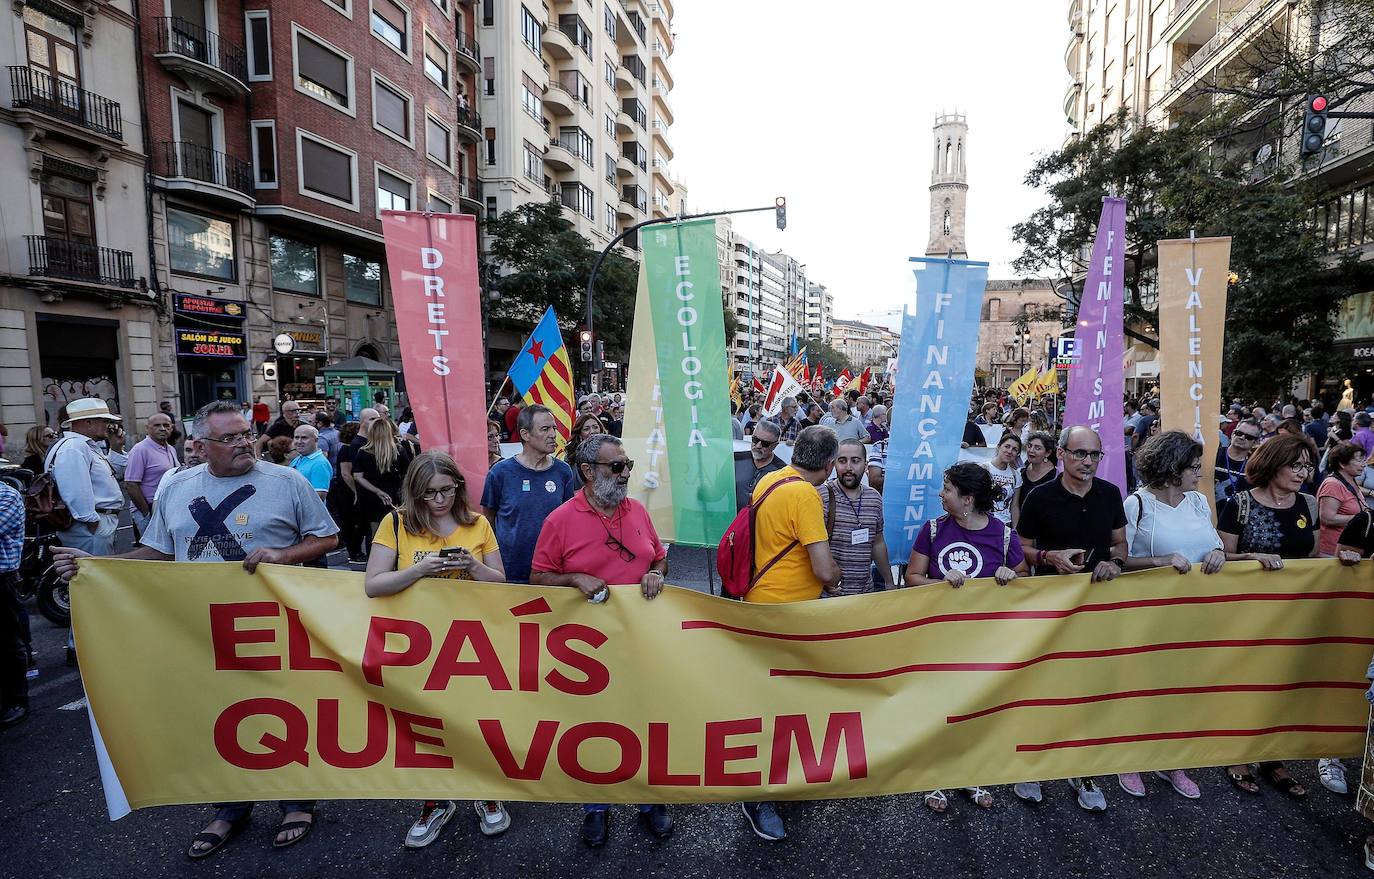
(616, 467)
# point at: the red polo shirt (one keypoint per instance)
(575, 536)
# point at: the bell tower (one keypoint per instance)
(949, 187)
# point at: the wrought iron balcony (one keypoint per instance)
(193, 51)
(469, 52)
(37, 91)
(191, 161)
(76, 261)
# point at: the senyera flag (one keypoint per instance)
(432, 263)
(542, 374)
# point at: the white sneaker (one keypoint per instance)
(492, 817)
(1028, 791)
(1332, 773)
(433, 817)
(1090, 796)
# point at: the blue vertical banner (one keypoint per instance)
(930, 406)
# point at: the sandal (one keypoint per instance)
(980, 796)
(1243, 781)
(936, 801)
(292, 825)
(1287, 783)
(216, 840)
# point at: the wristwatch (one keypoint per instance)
(1120, 563)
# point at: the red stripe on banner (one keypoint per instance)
(559, 363)
(1064, 654)
(1027, 614)
(1162, 691)
(1191, 734)
(555, 395)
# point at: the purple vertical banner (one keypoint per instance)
(1097, 385)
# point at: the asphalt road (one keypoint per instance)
(53, 824)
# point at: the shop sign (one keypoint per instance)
(210, 343)
(306, 340)
(203, 306)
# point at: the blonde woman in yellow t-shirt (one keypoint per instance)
(435, 533)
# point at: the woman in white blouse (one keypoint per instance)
(1169, 524)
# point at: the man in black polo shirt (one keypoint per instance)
(1068, 525)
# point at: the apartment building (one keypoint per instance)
(575, 103)
(864, 344)
(820, 311)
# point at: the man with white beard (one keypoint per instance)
(602, 530)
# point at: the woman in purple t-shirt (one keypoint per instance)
(966, 543)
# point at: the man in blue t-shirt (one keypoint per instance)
(521, 492)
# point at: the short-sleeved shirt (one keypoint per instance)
(1359, 533)
(858, 523)
(1056, 518)
(850, 428)
(200, 517)
(315, 468)
(1027, 483)
(1364, 438)
(522, 499)
(792, 513)
(1349, 502)
(1289, 533)
(577, 539)
(281, 427)
(149, 461)
(747, 476)
(973, 435)
(974, 553)
(261, 413)
(1010, 481)
(477, 538)
(1230, 477)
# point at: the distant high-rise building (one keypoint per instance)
(820, 311)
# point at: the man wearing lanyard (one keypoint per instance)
(856, 511)
(1230, 471)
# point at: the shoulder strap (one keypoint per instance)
(1006, 542)
(1140, 505)
(769, 490)
(753, 533)
(935, 529)
(1243, 508)
(830, 512)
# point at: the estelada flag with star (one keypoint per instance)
(542, 374)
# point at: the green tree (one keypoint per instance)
(1281, 308)
(834, 362)
(535, 259)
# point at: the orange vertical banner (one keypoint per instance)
(1193, 273)
(432, 263)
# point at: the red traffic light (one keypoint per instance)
(1318, 104)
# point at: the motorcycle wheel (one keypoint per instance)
(54, 602)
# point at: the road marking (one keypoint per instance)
(74, 706)
(55, 682)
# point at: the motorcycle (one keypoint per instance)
(38, 577)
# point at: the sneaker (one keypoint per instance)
(1090, 796)
(1131, 783)
(492, 817)
(1028, 791)
(1332, 773)
(1180, 782)
(433, 817)
(765, 821)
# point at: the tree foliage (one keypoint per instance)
(1280, 309)
(535, 258)
(834, 362)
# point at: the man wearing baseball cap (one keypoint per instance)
(86, 480)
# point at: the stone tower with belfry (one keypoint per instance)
(949, 187)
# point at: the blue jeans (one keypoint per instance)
(232, 812)
(602, 807)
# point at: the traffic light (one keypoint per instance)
(782, 212)
(585, 337)
(1313, 125)
(599, 363)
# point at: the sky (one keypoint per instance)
(834, 111)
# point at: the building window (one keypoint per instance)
(491, 207)
(394, 193)
(390, 110)
(391, 25)
(610, 219)
(344, 6)
(531, 31)
(489, 77)
(200, 245)
(265, 153)
(436, 62)
(67, 209)
(610, 167)
(323, 72)
(610, 125)
(362, 280)
(491, 145)
(534, 163)
(439, 205)
(580, 199)
(577, 142)
(438, 142)
(295, 266)
(530, 99)
(577, 31)
(326, 171)
(610, 73)
(258, 28)
(608, 21)
(443, 5)
(488, 13)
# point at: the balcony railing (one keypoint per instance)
(34, 90)
(180, 37)
(635, 66)
(195, 162)
(1238, 22)
(470, 188)
(469, 47)
(59, 258)
(633, 195)
(469, 118)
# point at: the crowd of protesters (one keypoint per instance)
(1291, 482)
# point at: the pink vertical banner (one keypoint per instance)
(432, 262)
(1097, 385)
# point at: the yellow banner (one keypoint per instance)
(1192, 327)
(212, 685)
(643, 434)
(1047, 383)
(1024, 387)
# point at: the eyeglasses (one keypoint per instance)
(626, 554)
(435, 493)
(49, 435)
(1084, 454)
(1301, 468)
(617, 467)
(1240, 434)
(1195, 468)
(762, 442)
(233, 439)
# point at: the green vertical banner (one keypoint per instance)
(689, 334)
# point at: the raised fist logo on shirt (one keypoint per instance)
(960, 557)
